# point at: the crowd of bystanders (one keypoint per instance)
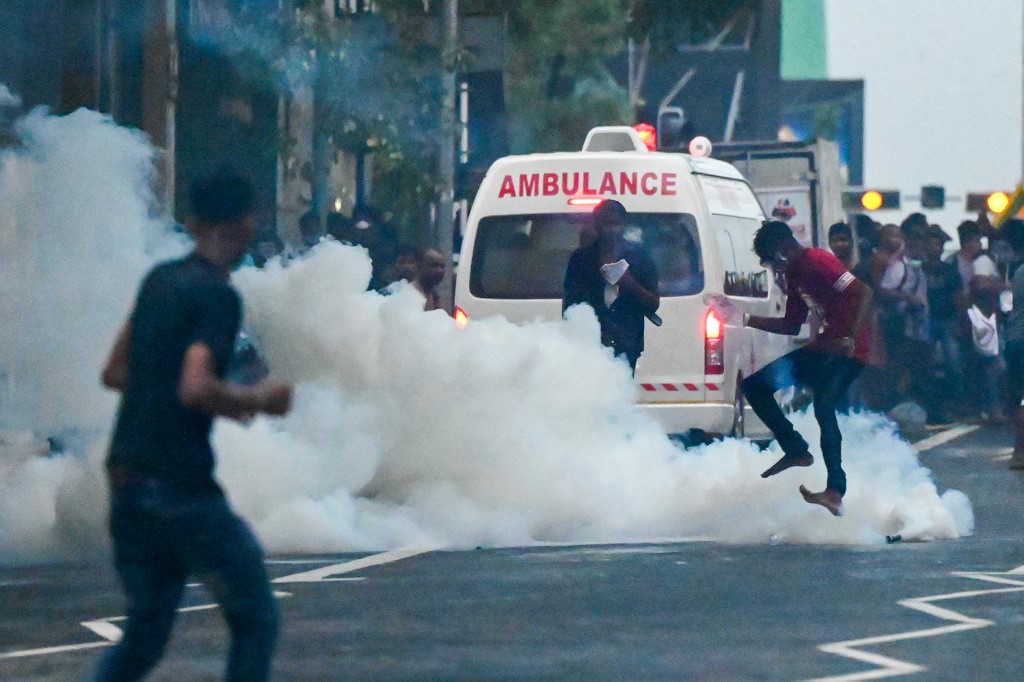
(394, 264)
(941, 316)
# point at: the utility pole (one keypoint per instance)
(322, 153)
(444, 221)
(766, 81)
(160, 89)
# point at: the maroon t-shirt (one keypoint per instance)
(818, 283)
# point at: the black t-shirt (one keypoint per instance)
(944, 287)
(180, 303)
(622, 323)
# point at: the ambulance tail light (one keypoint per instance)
(587, 200)
(461, 318)
(714, 342)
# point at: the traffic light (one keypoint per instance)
(1013, 209)
(671, 121)
(871, 199)
(933, 196)
(993, 202)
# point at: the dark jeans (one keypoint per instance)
(631, 357)
(1015, 373)
(161, 536)
(828, 376)
(944, 332)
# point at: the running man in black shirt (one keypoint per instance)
(169, 518)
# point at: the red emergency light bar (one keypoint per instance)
(586, 201)
(648, 135)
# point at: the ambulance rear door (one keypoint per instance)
(735, 217)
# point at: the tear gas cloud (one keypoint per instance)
(406, 430)
(8, 99)
(74, 216)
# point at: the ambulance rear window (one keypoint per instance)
(525, 256)
(744, 274)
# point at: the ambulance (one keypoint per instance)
(696, 217)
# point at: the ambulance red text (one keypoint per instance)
(573, 184)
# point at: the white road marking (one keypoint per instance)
(944, 437)
(320, 574)
(892, 667)
(111, 634)
(105, 628)
(54, 650)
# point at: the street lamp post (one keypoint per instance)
(444, 221)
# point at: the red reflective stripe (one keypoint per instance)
(675, 388)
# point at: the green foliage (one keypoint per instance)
(371, 77)
(668, 23)
(557, 80)
(377, 77)
(376, 90)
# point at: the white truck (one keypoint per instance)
(799, 183)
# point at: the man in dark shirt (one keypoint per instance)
(430, 268)
(944, 287)
(840, 240)
(617, 279)
(169, 518)
(839, 305)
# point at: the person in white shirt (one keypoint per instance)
(982, 287)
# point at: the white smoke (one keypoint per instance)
(8, 99)
(406, 430)
(76, 210)
(74, 216)
(414, 432)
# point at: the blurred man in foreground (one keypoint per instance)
(169, 518)
(839, 305)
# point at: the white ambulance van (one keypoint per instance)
(695, 216)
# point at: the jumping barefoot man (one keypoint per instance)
(839, 305)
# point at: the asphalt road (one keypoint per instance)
(950, 610)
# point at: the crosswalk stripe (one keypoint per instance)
(944, 437)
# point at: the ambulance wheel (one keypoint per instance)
(692, 438)
(739, 406)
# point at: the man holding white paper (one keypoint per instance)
(617, 279)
